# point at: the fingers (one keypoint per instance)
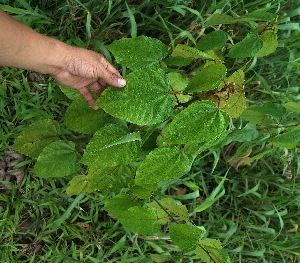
(110, 75)
(98, 87)
(84, 91)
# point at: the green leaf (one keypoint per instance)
(71, 93)
(78, 185)
(217, 19)
(186, 236)
(109, 179)
(215, 40)
(111, 146)
(139, 52)
(157, 258)
(80, 117)
(270, 43)
(260, 14)
(143, 191)
(264, 114)
(248, 47)
(177, 61)
(246, 134)
(210, 251)
(57, 159)
(119, 204)
(184, 51)
(36, 137)
(179, 83)
(162, 164)
(144, 101)
(288, 139)
(234, 103)
(237, 77)
(204, 121)
(140, 220)
(104, 179)
(292, 106)
(168, 207)
(209, 78)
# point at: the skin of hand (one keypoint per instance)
(79, 68)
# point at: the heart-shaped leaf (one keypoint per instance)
(58, 159)
(200, 122)
(162, 164)
(138, 52)
(36, 137)
(144, 101)
(111, 146)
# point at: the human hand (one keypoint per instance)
(83, 69)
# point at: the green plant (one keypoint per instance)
(150, 133)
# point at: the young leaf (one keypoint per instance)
(178, 61)
(162, 164)
(260, 14)
(184, 51)
(157, 258)
(179, 83)
(237, 77)
(210, 251)
(186, 236)
(57, 159)
(119, 204)
(78, 185)
(143, 191)
(270, 43)
(209, 78)
(167, 207)
(144, 101)
(140, 220)
(215, 40)
(36, 137)
(80, 117)
(217, 19)
(292, 106)
(232, 101)
(111, 146)
(139, 52)
(288, 139)
(200, 122)
(248, 47)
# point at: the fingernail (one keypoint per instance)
(95, 107)
(122, 82)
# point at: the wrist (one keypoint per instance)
(55, 57)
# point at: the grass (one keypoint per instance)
(256, 219)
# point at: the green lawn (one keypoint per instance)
(257, 215)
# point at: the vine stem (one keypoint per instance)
(163, 208)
